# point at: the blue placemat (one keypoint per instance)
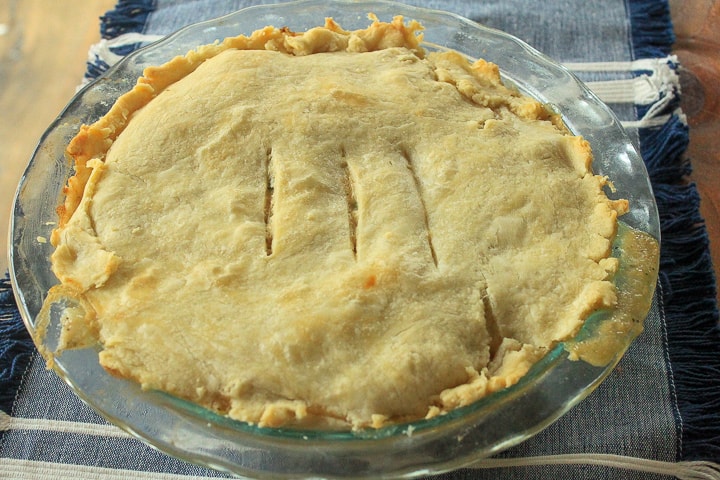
(662, 401)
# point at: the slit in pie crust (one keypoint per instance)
(330, 229)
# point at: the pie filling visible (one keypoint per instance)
(330, 229)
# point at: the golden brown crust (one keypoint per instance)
(401, 236)
(93, 141)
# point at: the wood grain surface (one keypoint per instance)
(43, 50)
(44, 44)
(697, 28)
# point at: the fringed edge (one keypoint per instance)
(16, 346)
(106, 53)
(652, 33)
(128, 16)
(686, 273)
(693, 332)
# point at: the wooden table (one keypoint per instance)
(43, 49)
(42, 62)
(697, 27)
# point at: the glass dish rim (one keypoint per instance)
(397, 430)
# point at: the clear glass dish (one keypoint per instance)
(451, 441)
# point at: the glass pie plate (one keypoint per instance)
(553, 386)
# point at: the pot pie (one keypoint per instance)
(329, 229)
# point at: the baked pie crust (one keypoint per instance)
(329, 229)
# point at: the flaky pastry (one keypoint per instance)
(330, 229)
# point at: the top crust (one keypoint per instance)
(330, 229)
